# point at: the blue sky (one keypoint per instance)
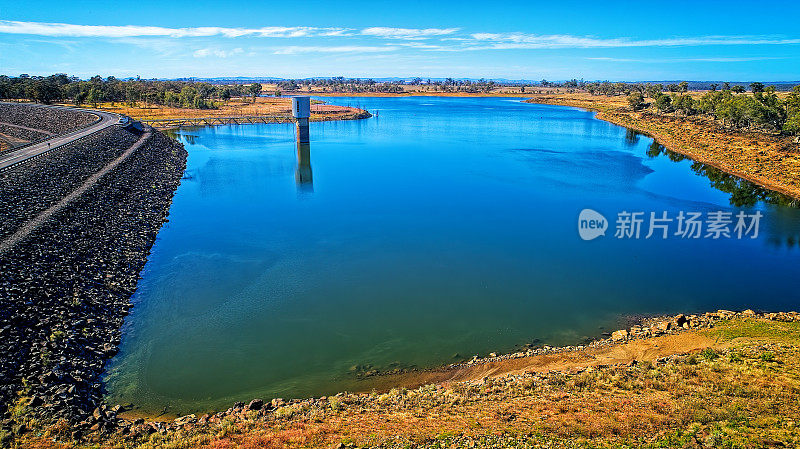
(737, 41)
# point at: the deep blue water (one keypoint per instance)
(440, 226)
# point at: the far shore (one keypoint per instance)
(770, 161)
(278, 108)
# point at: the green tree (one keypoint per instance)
(757, 87)
(664, 103)
(189, 98)
(654, 90)
(792, 123)
(636, 101)
(225, 94)
(254, 89)
(94, 96)
(684, 103)
(43, 91)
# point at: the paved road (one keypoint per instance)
(16, 156)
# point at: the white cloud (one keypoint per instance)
(161, 46)
(205, 52)
(669, 60)
(292, 50)
(122, 31)
(425, 39)
(504, 41)
(419, 45)
(407, 33)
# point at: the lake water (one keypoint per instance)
(438, 229)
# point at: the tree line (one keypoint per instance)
(60, 88)
(764, 110)
(366, 85)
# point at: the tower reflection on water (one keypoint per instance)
(302, 175)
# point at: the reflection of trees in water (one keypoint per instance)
(782, 228)
(189, 138)
(743, 192)
(631, 137)
(655, 149)
(176, 134)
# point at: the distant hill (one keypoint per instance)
(693, 85)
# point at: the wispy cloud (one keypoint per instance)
(420, 45)
(680, 60)
(449, 39)
(121, 31)
(294, 49)
(205, 52)
(161, 46)
(63, 43)
(506, 41)
(407, 33)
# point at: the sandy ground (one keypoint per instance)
(640, 350)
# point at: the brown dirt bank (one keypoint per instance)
(648, 350)
(770, 161)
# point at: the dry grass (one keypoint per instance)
(236, 107)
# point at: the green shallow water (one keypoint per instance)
(438, 229)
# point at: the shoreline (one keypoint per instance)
(359, 115)
(657, 341)
(624, 119)
(599, 351)
(77, 269)
(643, 124)
(264, 110)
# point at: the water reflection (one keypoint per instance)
(303, 175)
(177, 134)
(743, 192)
(631, 137)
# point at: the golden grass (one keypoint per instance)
(237, 107)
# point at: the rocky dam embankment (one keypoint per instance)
(65, 285)
(21, 124)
